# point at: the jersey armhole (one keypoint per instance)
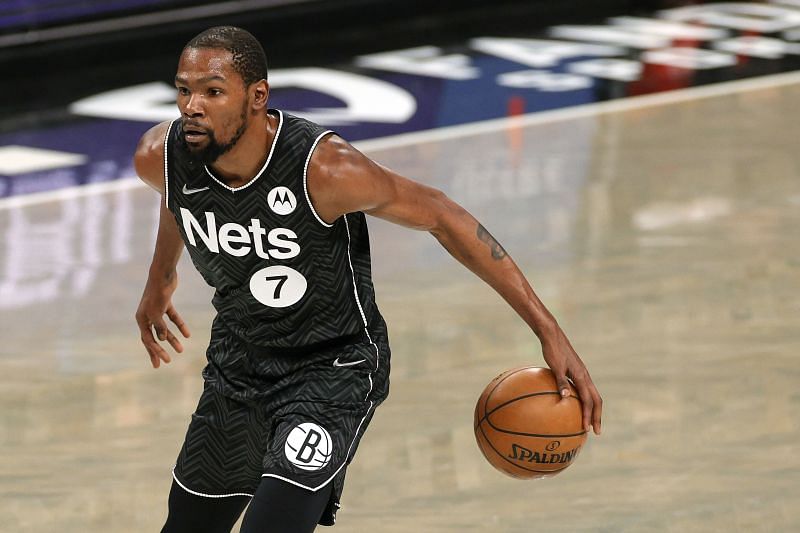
(305, 177)
(166, 165)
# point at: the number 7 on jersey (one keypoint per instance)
(278, 286)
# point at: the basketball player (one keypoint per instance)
(271, 208)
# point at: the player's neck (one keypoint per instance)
(245, 159)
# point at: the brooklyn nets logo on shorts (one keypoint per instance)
(308, 447)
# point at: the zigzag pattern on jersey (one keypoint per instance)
(231, 443)
(246, 375)
(224, 448)
(328, 309)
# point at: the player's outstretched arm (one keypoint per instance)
(163, 277)
(342, 180)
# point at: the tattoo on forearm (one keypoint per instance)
(497, 251)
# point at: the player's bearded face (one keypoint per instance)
(213, 101)
(211, 150)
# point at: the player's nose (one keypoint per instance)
(194, 106)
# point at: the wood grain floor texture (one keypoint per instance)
(662, 238)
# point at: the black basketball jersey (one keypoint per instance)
(284, 278)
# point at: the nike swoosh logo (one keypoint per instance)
(187, 190)
(353, 363)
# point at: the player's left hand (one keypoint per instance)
(562, 359)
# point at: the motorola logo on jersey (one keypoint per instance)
(238, 240)
(308, 447)
(281, 200)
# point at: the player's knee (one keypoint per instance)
(189, 513)
(281, 507)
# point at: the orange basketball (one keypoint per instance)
(523, 426)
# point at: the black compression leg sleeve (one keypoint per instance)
(280, 507)
(198, 514)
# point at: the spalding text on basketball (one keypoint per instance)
(521, 453)
(238, 240)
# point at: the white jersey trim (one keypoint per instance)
(263, 168)
(190, 491)
(166, 166)
(305, 178)
(360, 308)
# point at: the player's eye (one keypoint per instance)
(183, 91)
(214, 92)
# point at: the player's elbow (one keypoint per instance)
(446, 213)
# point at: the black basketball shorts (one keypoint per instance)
(294, 418)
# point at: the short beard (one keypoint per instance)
(213, 150)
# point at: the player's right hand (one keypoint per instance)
(157, 302)
(565, 363)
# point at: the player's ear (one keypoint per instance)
(259, 92)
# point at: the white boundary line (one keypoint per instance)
(464, 130)
(70, 192)
(585, 110)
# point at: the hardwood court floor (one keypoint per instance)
(662, 238)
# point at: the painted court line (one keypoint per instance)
(581, 111)
(465, 130)
(68, 193)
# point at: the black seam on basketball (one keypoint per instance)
(542, 435)
(510, 373)
(521, 398)
(503, 457)
(486, 414)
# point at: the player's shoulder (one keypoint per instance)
(152, 141)
(302, 130)
(324, 149)
(331, 157)
(149, 157)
